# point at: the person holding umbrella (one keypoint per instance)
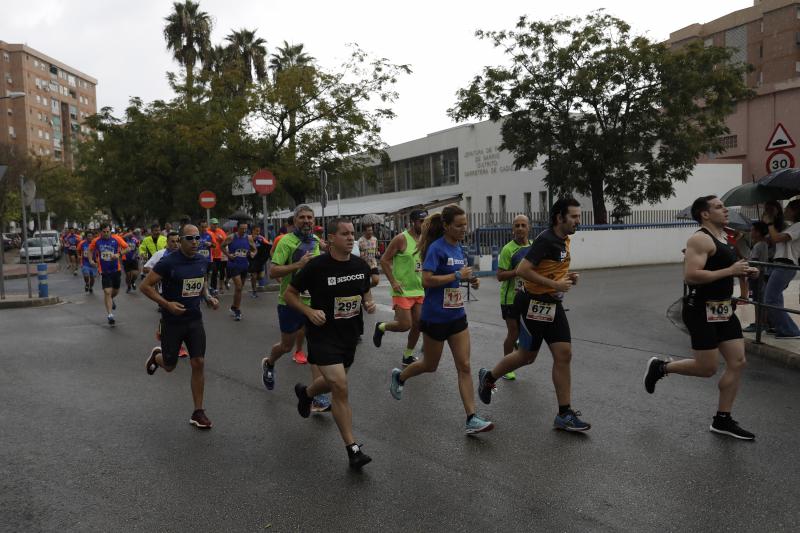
(787, 251)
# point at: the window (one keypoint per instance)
(760, 78)
(11, 132)
(6, 57)
(10, 111)
(47, 135)
(8, 78)
(729, 141)
(527, 203)
(762, 25)
(502, 204)
(798, 13)
(54, 70)
(71, 80)
(489, 204)
(760, 50)
(543, 207)
(54, 106)
(35, 62)
(41, 134)
(420, 172)
(708, 42)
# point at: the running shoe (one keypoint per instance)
(790, 336)
(238, 316)
(111, 320)
(227, 284)
(133, 284)
(183, 352)
(85, 288)
(267, 374)
(128, 290)
(321, 404)
(730, 427)
(200, 419)
(395, 387)
(303, 401)
(409, 360)
(749, 329)
(477, 424)
(299, 357)
(485, 388)
(357, 457)
(656, 369)
(253, 294)
(510, 376)
(151, 366)
(74, 272)
(91, 290)
(377, 336)
(569, 421)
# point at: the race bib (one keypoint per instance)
(346, 306)
(418, 267)
(719, 311)
(192, 287)
(107, 255)
(453, 298)
(541, 311)
(241, 252)
(203, 252)
(519, 284)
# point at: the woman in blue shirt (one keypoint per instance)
(443, 315)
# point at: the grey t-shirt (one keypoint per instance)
(759, 252)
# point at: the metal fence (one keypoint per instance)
(760, 306)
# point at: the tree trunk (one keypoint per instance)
(189, 83)
(599, 202)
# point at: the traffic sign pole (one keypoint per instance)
(25, 237)
(208, 217)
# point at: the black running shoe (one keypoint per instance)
(303, 401)
(730, 427)
(656, 369)
(357, 457)
(377, 337)
(485, 388)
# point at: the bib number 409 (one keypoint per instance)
(719, 311)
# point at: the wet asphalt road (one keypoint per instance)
(90, 442)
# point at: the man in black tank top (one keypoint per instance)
(710, 266)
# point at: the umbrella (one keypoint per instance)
(371, 219)
(754, 193)
(230, 225)
(736, 220)
(788, 178)
(241, 216)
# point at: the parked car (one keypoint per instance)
(13, 238)
(54, 237)
(39, 248)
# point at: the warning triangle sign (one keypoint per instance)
(780, 139)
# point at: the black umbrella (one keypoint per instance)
(788, 178)
(241, 216)
(736, 220)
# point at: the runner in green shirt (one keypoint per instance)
(402, 265)
(510, 256)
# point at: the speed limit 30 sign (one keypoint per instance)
(779, 160)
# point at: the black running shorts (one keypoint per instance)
(535, 327)
(442, 331)
(322, 353)
(508, 312)
(708, 335)
(111, 280)
(131, 265)
(173, 334)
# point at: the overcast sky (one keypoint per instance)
(121, 43)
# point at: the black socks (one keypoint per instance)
(563, 409)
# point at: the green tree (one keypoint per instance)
(614, 116)
(249, 52)
(188, 35)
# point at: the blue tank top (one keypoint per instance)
(238, 249)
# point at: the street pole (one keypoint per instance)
(41, 241)
(2, 260)
(25, 236)
(208, 217)
(266, 215)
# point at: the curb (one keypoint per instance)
(773, 353)
(16, 302)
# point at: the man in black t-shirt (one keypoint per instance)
(182, 276)
(339, 284)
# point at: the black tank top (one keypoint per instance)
(721, 289)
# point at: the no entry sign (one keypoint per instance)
(264, 182)
(207, 199)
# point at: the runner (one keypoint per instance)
(298, 356)
(510, 256)
(338, 284)
(292, 253)
(207, 243)
(152, 243)
(130, 261)
(181, 275)
(88, 269)
(403, 268)
(545, 270)
(710, 265)
(173, 244)
(443, 317)
(259, 260)
(71, 244)
(236, 247)
(368, 250)
(108, 249)
(218, 272)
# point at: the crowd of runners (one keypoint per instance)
(326, 286)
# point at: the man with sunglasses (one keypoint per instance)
(510, 284)
(182, 277)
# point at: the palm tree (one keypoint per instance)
(287, 56)
(188, 36)
(249, 51)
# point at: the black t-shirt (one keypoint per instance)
(336, 287)
(182, 280)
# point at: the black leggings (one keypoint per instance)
(217, 269)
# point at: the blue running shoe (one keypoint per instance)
(321, 404)
(569, 421)
(477, 424)
(395, 387)
(268, 374)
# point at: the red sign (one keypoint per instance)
(780, 140)
(207, 199)
(779, 160)
(264, 182)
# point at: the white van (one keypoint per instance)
(54, 236)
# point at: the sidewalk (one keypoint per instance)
(785, 351)
(16, 270)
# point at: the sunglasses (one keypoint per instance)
(191, 237)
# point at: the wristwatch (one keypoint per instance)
(457, 274)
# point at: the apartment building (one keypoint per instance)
(49, 120)
(767, 36)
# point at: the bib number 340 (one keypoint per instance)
(719, 311)
(541, 311)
